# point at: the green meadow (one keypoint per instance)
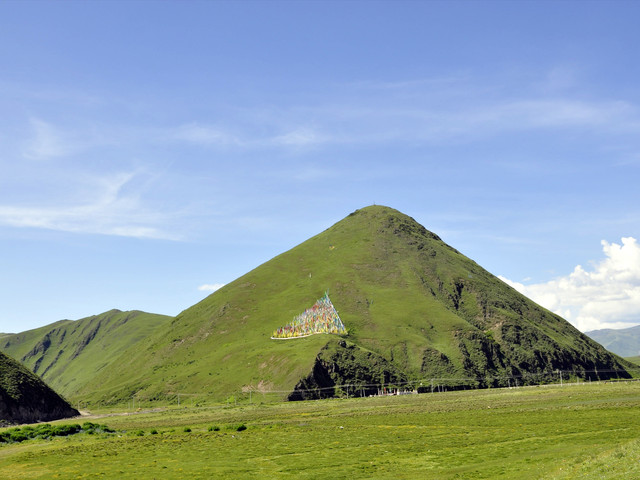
(587, 431)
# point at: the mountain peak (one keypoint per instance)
(415, 309)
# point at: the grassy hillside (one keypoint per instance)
(66, 354)
(24, 397)
(587, 431)
(414, 308)
(624, 342)
(635, 360)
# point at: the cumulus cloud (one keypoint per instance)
(210, 287)
(606, 296)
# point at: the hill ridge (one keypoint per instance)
(624, 342)
(65, 352)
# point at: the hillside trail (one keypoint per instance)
(87, 415)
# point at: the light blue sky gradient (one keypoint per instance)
(150, 148)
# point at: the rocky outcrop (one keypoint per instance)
(342, 369)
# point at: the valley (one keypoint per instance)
(586, 431)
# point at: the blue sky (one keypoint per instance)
(150, 151)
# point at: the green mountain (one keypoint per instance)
(66, 354)
(624, 342)
(415, 309)
(25, 398)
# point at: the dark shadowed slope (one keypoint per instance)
(25, 398)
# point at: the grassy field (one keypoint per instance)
(575, 431)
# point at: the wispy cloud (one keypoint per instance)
(110, 211)
(301, 137)
(566, 112)
(451, 109)
(47, 141)
(393, 114)
(423, 111)
(206, 135)
(608, 296)
(270, 135)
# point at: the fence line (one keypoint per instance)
(425, 385)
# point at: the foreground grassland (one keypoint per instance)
(576, 431)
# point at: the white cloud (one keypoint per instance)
(212, 136)
(47, 141)
(457, 108)
(608, 296)
(206, 135)
(563, 112)
(109, 211)
(298, 138)
(211, 287)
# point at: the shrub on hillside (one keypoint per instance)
(65, 430)
(18, 437)
(45, 431)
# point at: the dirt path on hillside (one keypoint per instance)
(87, 415)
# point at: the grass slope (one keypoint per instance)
(635, 360)
(580, 431)
(624, 342)
(66, 354)
(405, 297)
(24, 397)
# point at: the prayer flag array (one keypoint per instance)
(322, 317)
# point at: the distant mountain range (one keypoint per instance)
(415, 309)
(624, 342)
